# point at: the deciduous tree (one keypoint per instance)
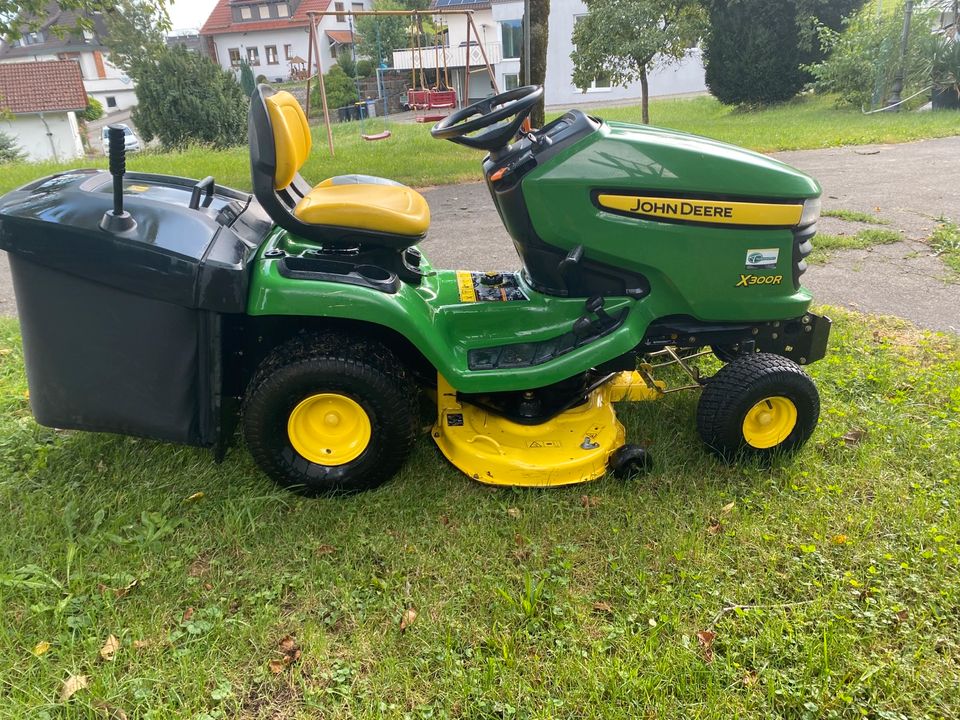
(19, 16)
(623, 40)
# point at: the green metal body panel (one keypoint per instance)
(693, 270)
(443, 328)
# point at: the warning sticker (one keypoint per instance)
(489, 287)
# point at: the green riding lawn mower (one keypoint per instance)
(174, 309)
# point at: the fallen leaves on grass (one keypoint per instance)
(41, 648)
(289, 652)
(187, 614)
(196, 496)
(72, 685)
(854, 436)
(110, 648)
(728, 508)
(902, 615)
(589, 501)
(705, 639)
(326, 550)
(513, 512)
(602, 607)
(118, 593)
(408, 618)
(110, 711)
(715, 526)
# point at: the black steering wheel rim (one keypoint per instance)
(516, 104)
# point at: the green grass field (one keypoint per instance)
(824, 587)
(411, 156)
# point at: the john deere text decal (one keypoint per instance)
(705, 211)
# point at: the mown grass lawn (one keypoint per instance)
(824, 587)
(411, 156)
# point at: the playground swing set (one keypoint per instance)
(424, 98)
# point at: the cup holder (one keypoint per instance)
(374, 273)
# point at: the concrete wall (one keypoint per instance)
(54, 136)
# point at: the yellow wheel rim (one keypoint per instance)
(329, 429)
(769, 422)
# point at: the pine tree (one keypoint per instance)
(184, 98)
(9, 151)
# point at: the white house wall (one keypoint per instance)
(667, 79)
(31, 135)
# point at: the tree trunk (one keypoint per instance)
(539, 27)
(644, 96)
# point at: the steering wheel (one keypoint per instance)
(512, 106)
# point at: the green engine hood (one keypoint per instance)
(632, 157)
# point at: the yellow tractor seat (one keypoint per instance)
(387, 212)
(382, 208)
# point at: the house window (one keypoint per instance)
(288, 51)
(246, 13)
(511, 82)
(356, 7)
(32, 38)
(512, 34)
(272, 58)
(264, 12)
(234, 56)
(111, 101)
(338, 6)
(253, 56)
(283, 10)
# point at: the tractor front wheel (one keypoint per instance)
(758, 405)
(325, 414)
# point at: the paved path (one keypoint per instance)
(910, 185)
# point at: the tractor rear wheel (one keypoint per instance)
(758, 405)
(325, 414)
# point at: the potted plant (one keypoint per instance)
(946, 74)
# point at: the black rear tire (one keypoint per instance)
(369, 381)
(753, 389)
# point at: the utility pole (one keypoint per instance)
(893, 105)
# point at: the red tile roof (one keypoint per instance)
(344, 37)
(42, 87)
(221, 19)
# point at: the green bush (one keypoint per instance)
(863, 59)
(246, 79)
(94, 110)
(184, 98)
(364, 68)
(347, 63)
(757, 51)
(752, 53)
(341, 89)
(9, 151)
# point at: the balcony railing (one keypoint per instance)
(455, 57)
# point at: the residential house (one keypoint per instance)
(272, 35)
(39, 102)
(188, 38)
(58, 39)
(499, 24)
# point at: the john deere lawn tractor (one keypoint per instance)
(174, 309)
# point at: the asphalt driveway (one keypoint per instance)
(910, 185)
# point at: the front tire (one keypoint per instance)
(327, 414)
(759, 405)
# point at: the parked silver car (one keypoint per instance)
(130, 139)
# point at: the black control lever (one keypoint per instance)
(595, 305)
(117, 220)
